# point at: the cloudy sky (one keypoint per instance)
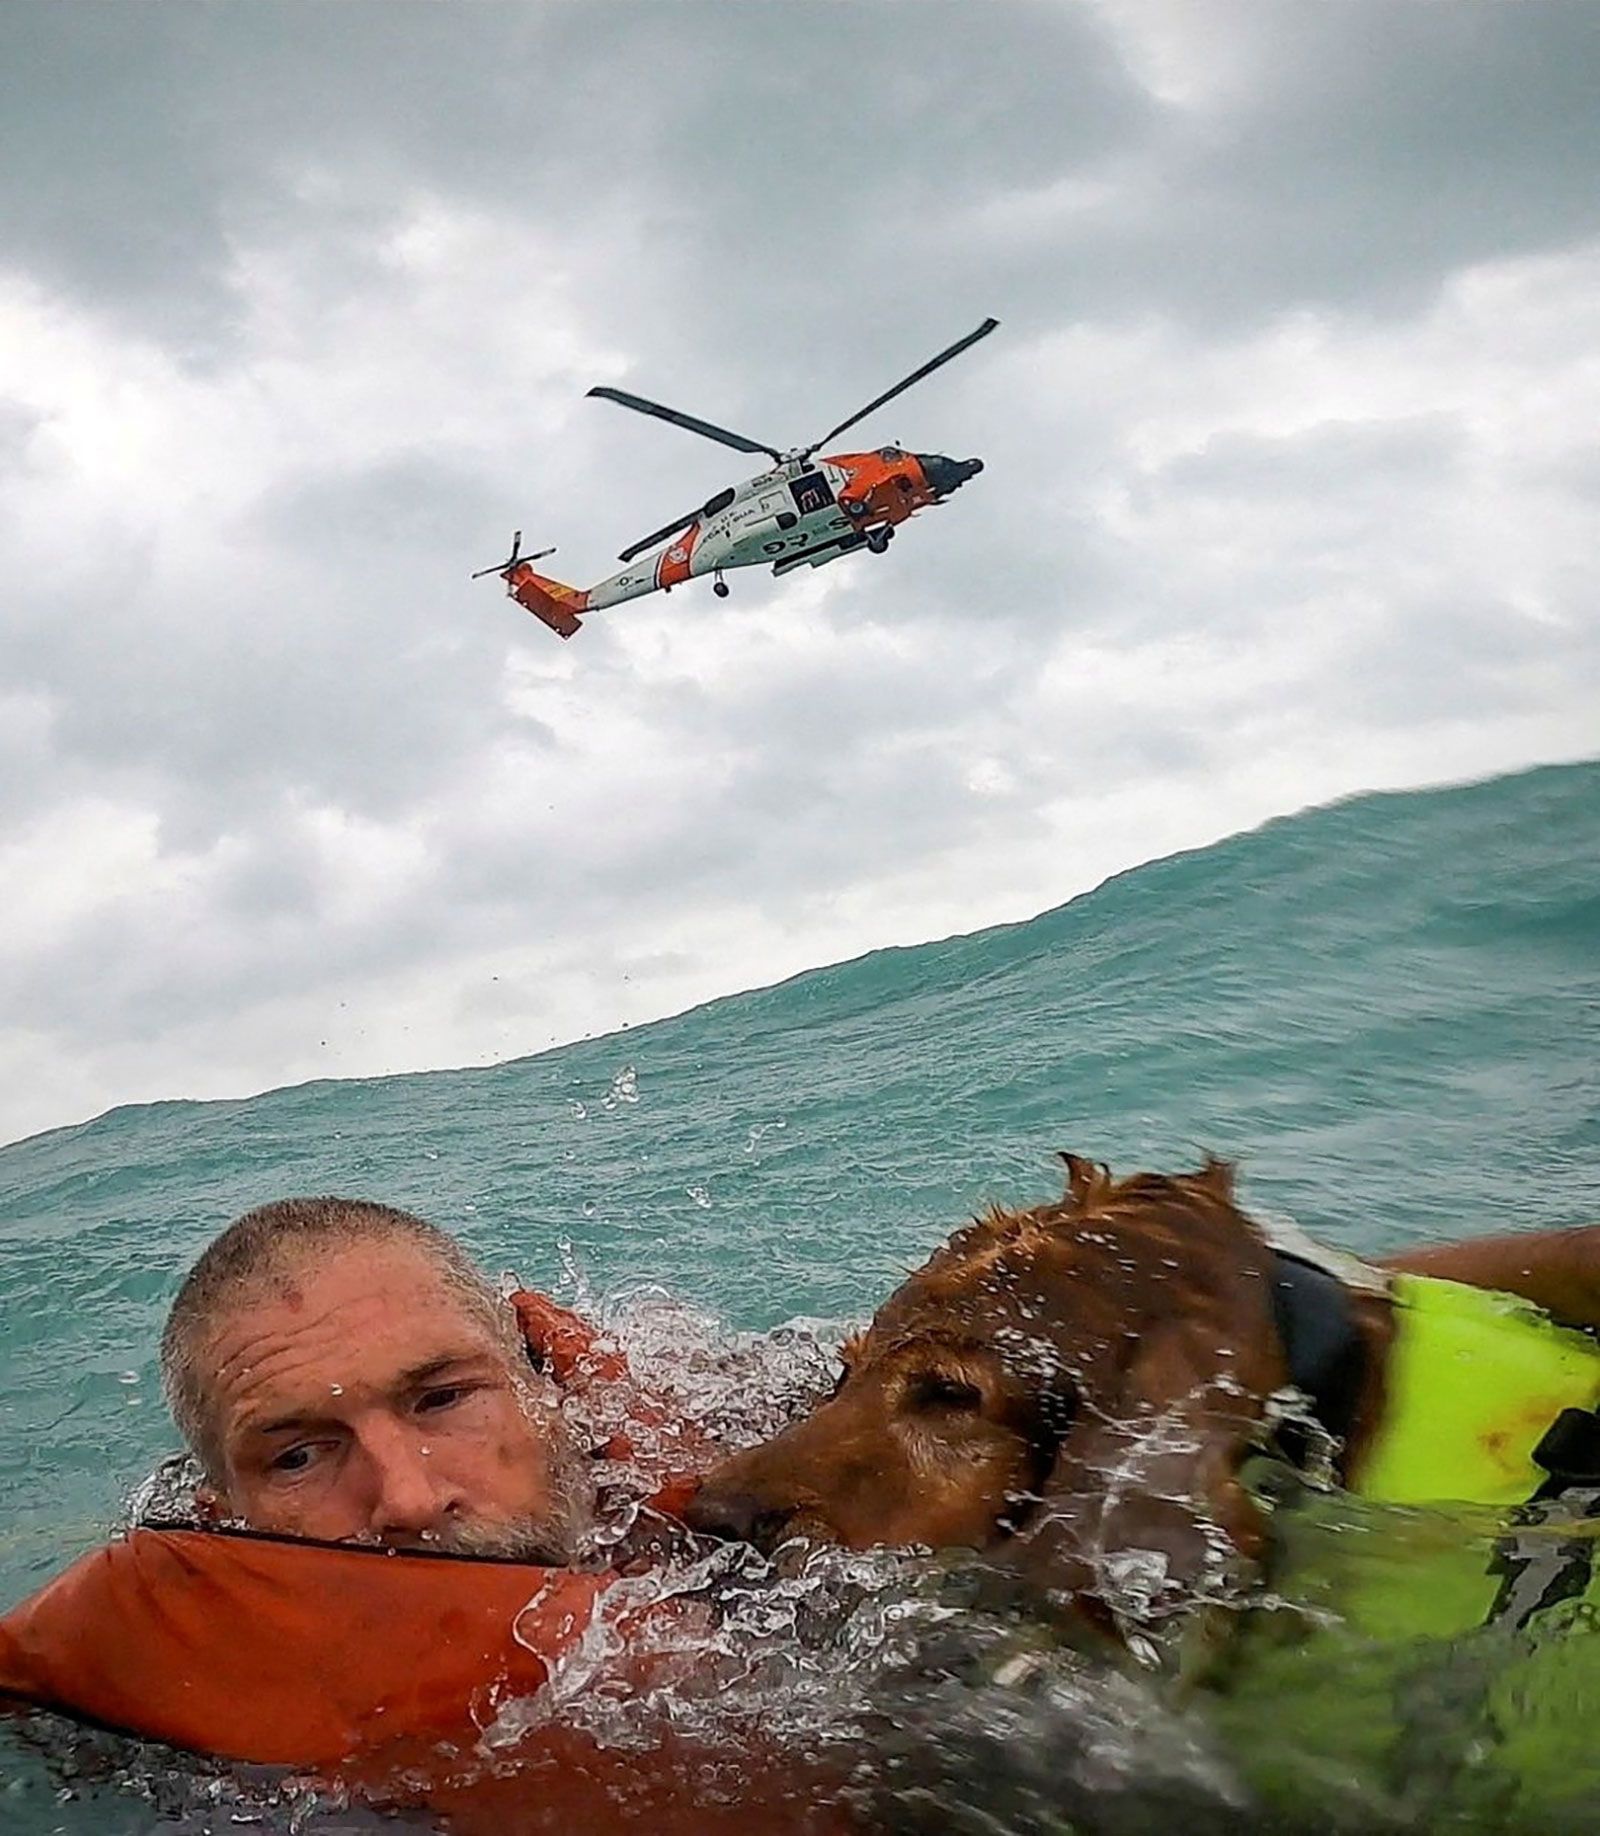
(1292, 474)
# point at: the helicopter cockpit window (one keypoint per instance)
(890, 453)
(714, 506)
(811, 493)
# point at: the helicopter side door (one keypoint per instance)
(821, 522)
(811, 492)
(796, 513)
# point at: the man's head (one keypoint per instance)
(344, 1372)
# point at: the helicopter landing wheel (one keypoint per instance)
(878, 539)
(720, 588)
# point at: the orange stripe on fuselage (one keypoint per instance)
(673, 567)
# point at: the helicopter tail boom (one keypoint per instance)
(552, 602)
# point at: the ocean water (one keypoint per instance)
(1387, 1010)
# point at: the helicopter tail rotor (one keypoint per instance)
(552, 602)
(514, 559)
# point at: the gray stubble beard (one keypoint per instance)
(553, 1538)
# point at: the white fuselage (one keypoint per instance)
(777, 517)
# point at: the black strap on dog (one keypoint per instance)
(1570, 1453)
(1316, 1323)
(1537, 1567)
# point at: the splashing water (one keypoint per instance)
(942, 1702)
(818, 1650)
(1377, 1003)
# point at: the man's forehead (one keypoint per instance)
(370, 1291)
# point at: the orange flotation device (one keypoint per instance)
(285, 1652)
(275, 1650)
(378, 1674)
(568, 1347)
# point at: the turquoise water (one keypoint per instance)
(1387, 1010)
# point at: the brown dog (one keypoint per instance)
(1086, 1379)
(1091, 1374)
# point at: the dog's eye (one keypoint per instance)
(934, 1390)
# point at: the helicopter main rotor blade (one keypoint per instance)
(679, 419)
(660, 535)
(905, 383)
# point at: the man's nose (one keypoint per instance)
(408, 1494)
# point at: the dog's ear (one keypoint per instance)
(1216, 1177)
(1086, 1179)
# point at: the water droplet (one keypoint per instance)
(336, 1389)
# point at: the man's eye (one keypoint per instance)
(446, 1396)
(293, 1459)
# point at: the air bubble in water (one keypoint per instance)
(758, 1132)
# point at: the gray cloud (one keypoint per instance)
(1290, 476)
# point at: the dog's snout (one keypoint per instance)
(736, 1515)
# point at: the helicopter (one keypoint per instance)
(802, 512)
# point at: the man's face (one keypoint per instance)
(360, 1397)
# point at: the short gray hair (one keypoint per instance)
(269, 1242)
